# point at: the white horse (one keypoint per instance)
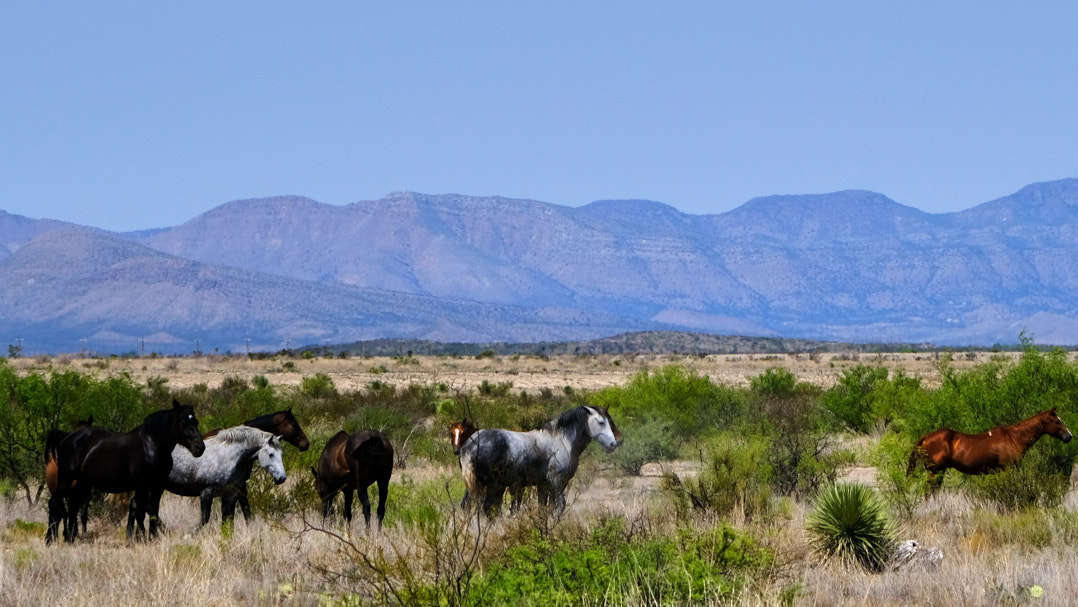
(492, 461)
(224, 468)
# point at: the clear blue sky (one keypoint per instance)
(128, 115)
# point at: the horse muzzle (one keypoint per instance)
(1067, 437)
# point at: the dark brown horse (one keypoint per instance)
(989, 451)
(354, 462)
(282, 424)
(139, 461)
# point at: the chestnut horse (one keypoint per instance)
(354, 462)
(459, 432)
(989, 451)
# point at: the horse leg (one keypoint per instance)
(493, 499)
(516, 497)
(228, 509)
(245, 506)
(153, 509)
(348, 506)
(85, 513)
(205, 502)
(57, 513)
(76, 499)
(365, 499)
(136, 515)
(383, 495)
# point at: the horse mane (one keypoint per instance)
(156, 421)
(240, 434)
(573, 418)
(268, 418)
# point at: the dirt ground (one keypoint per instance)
(523, 373)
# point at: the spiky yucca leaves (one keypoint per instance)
(851, 522)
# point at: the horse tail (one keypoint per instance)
(52, 443)
(915, 456)
(472, 487)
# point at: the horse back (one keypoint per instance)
(370, 455)
(505, 457)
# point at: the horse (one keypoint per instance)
(52, 442)
(282, 424)
(354, 462)
(493, 460)
(139, 461)
(990, 451)
(224, 466)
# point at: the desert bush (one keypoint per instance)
(679, 398)
(774, 382)
(645, 442)
(318, 385)
(736, 474)
(583, 566)
(799, 454)
(851, 400)
(850, 522)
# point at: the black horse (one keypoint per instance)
(353, 463)
(139, 461)
(282, 424)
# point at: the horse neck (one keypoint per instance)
(1027, 431)
(265, 423)
(575, 436)
(155, 428)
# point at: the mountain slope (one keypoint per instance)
(66, 286)
(851, 266)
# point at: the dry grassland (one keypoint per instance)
(277, 562)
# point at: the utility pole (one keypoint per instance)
(248, 340)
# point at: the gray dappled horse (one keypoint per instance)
(493, 460)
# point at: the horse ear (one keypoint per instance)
(90, 421)
(175, 404)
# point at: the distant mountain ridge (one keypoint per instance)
(847, 266)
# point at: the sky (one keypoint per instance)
(133, 115)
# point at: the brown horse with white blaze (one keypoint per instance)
(998, 448)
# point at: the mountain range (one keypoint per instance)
(847, 266)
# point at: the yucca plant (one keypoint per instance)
(851, 522)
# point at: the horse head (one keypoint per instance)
(270, 458)
(602, 428)
(185, 428)
(1054, 426)
(460, 432)
(288, 429)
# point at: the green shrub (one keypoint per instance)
(644, 442)
(679, 398)
(774, 382)
(850, 401)
(736, 475)
(319, 385)
(687, 567)
(850, 522)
